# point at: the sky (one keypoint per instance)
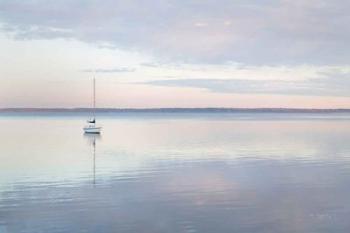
(172, 53)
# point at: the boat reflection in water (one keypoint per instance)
(92, 139)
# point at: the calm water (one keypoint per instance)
(176, 173)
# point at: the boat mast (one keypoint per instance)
(94, 102)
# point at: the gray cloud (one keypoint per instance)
(328, 84)
(254, 32)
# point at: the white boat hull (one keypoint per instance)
(92, 129)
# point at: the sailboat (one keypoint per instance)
(92, 127)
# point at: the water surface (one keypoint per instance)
(175, 173)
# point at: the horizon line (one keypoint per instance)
(173, 109)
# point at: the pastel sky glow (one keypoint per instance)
(170, 53)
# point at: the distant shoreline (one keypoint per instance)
(173, 110)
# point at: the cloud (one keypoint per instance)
(113, 70)
(208, 31)
(327, 84)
